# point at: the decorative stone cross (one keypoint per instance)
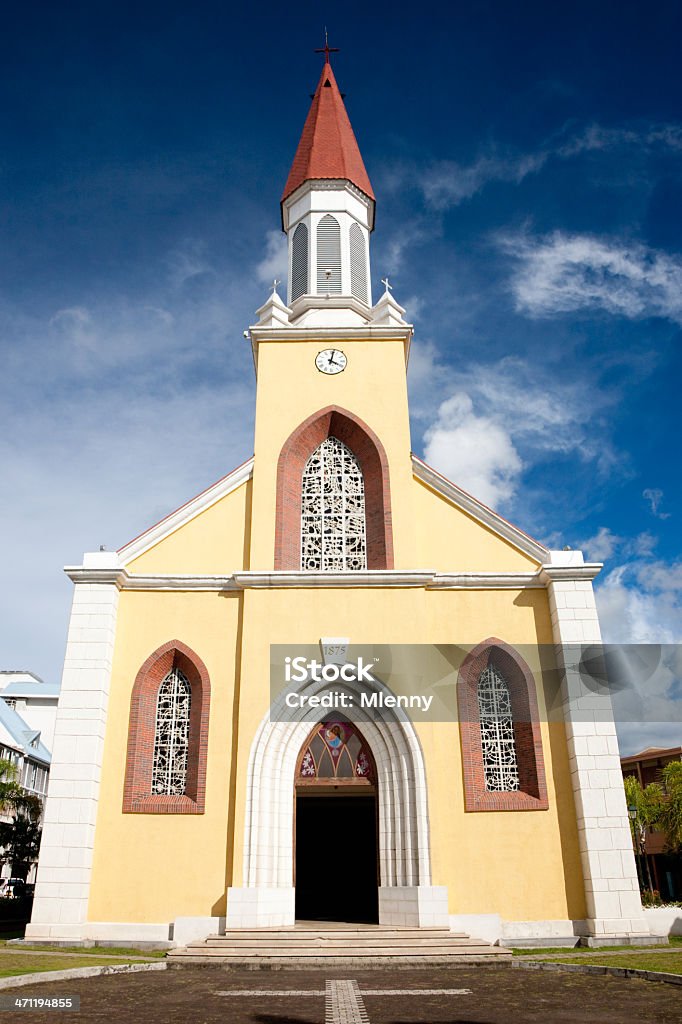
(389, 287)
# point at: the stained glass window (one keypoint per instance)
(497, 732)
(333, 509)
(336, 751)
(171, 739)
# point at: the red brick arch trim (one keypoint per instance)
(532, 795)
(137, 794)
(368, 450)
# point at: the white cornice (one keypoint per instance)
(361, 332)
(485, 581)
(565, 573)
(447, 489)
(327, 185)
(299, 306)
(125, 580)
(426, 579)
(182, 515)
(364, 578)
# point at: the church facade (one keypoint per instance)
(179, 804)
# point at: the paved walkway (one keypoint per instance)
(485, 995)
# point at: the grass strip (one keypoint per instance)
(116, 951)
(538, 951)
(10, 965)
(668, 963)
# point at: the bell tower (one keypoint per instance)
(329, 364)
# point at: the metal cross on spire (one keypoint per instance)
(275, 282)
(327, 49)
(389, 287)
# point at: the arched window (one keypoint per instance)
(328, 256)
(333, 509)
(168, 734)
(336, 752)
(358, 263)
(299, 262)
(499, 723)
(171, 740)
(497, 732)
(370, 457)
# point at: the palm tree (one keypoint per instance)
(647, 804)
(670, 819)
(20, 837)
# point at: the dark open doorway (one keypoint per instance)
(336, 858)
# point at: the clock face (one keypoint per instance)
(331, 360)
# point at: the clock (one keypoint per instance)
(331, 360)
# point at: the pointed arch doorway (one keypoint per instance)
(266, 897)
(336, 862)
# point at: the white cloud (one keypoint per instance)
(274, 265)
(494, 420)
(138, 405)
(641, 602)
(563, 273)
(390, 251)
(655, 496)
(602, 546)
(187, 261)
(474, 451)
(447, 183)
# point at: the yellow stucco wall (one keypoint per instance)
(156, 867)
(165, 865)
(449, 540)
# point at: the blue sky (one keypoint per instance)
(527, 161)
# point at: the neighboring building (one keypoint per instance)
(33, 699)
(21, 741)
(666, 868)
(177, 796)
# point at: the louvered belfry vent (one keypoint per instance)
(328, 256)
(299, 262)
(358, 263)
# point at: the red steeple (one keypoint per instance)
(327, 148)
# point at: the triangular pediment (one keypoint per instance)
(476, 510)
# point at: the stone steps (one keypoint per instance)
(323, 946)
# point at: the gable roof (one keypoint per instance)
(477, 510)
(23, 737)
(327, 147)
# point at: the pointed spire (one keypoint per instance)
(328, 147)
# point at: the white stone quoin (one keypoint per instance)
(614, 908)
(65, 864)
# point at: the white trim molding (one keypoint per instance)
(295, 579)
(485, 581)
(322, 578)
(477, 510)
